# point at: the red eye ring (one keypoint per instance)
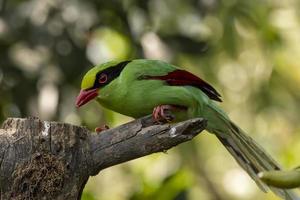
(102, 78)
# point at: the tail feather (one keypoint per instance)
(242, 161)
(249, 155)
(255, 147)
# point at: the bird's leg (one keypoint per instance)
(163, 113)
(101, 128)
(155, 114)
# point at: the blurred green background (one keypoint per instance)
(249, 50)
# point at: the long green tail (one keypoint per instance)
(249, 155)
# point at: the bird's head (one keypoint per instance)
(97, 78)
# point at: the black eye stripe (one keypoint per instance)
(111, 72)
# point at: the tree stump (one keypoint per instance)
(53, 160)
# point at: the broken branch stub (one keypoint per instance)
(53, 160)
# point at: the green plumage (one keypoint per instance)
(133, 95)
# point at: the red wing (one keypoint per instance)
(182, 77)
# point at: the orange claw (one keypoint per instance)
(101, 128)
(162, 113)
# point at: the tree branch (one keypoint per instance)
(40, 159)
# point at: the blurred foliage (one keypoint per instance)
(248, 50)
(282, 178)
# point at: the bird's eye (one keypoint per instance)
(102, 78)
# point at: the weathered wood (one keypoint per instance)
(52, 160)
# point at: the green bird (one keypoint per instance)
(140, 87)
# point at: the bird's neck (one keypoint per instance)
(112, 95)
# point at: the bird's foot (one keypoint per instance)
(101, 128)
(163, 113)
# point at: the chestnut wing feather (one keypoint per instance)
(182, 78)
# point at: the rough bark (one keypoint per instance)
(52, 160)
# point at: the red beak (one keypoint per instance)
(85, 96)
